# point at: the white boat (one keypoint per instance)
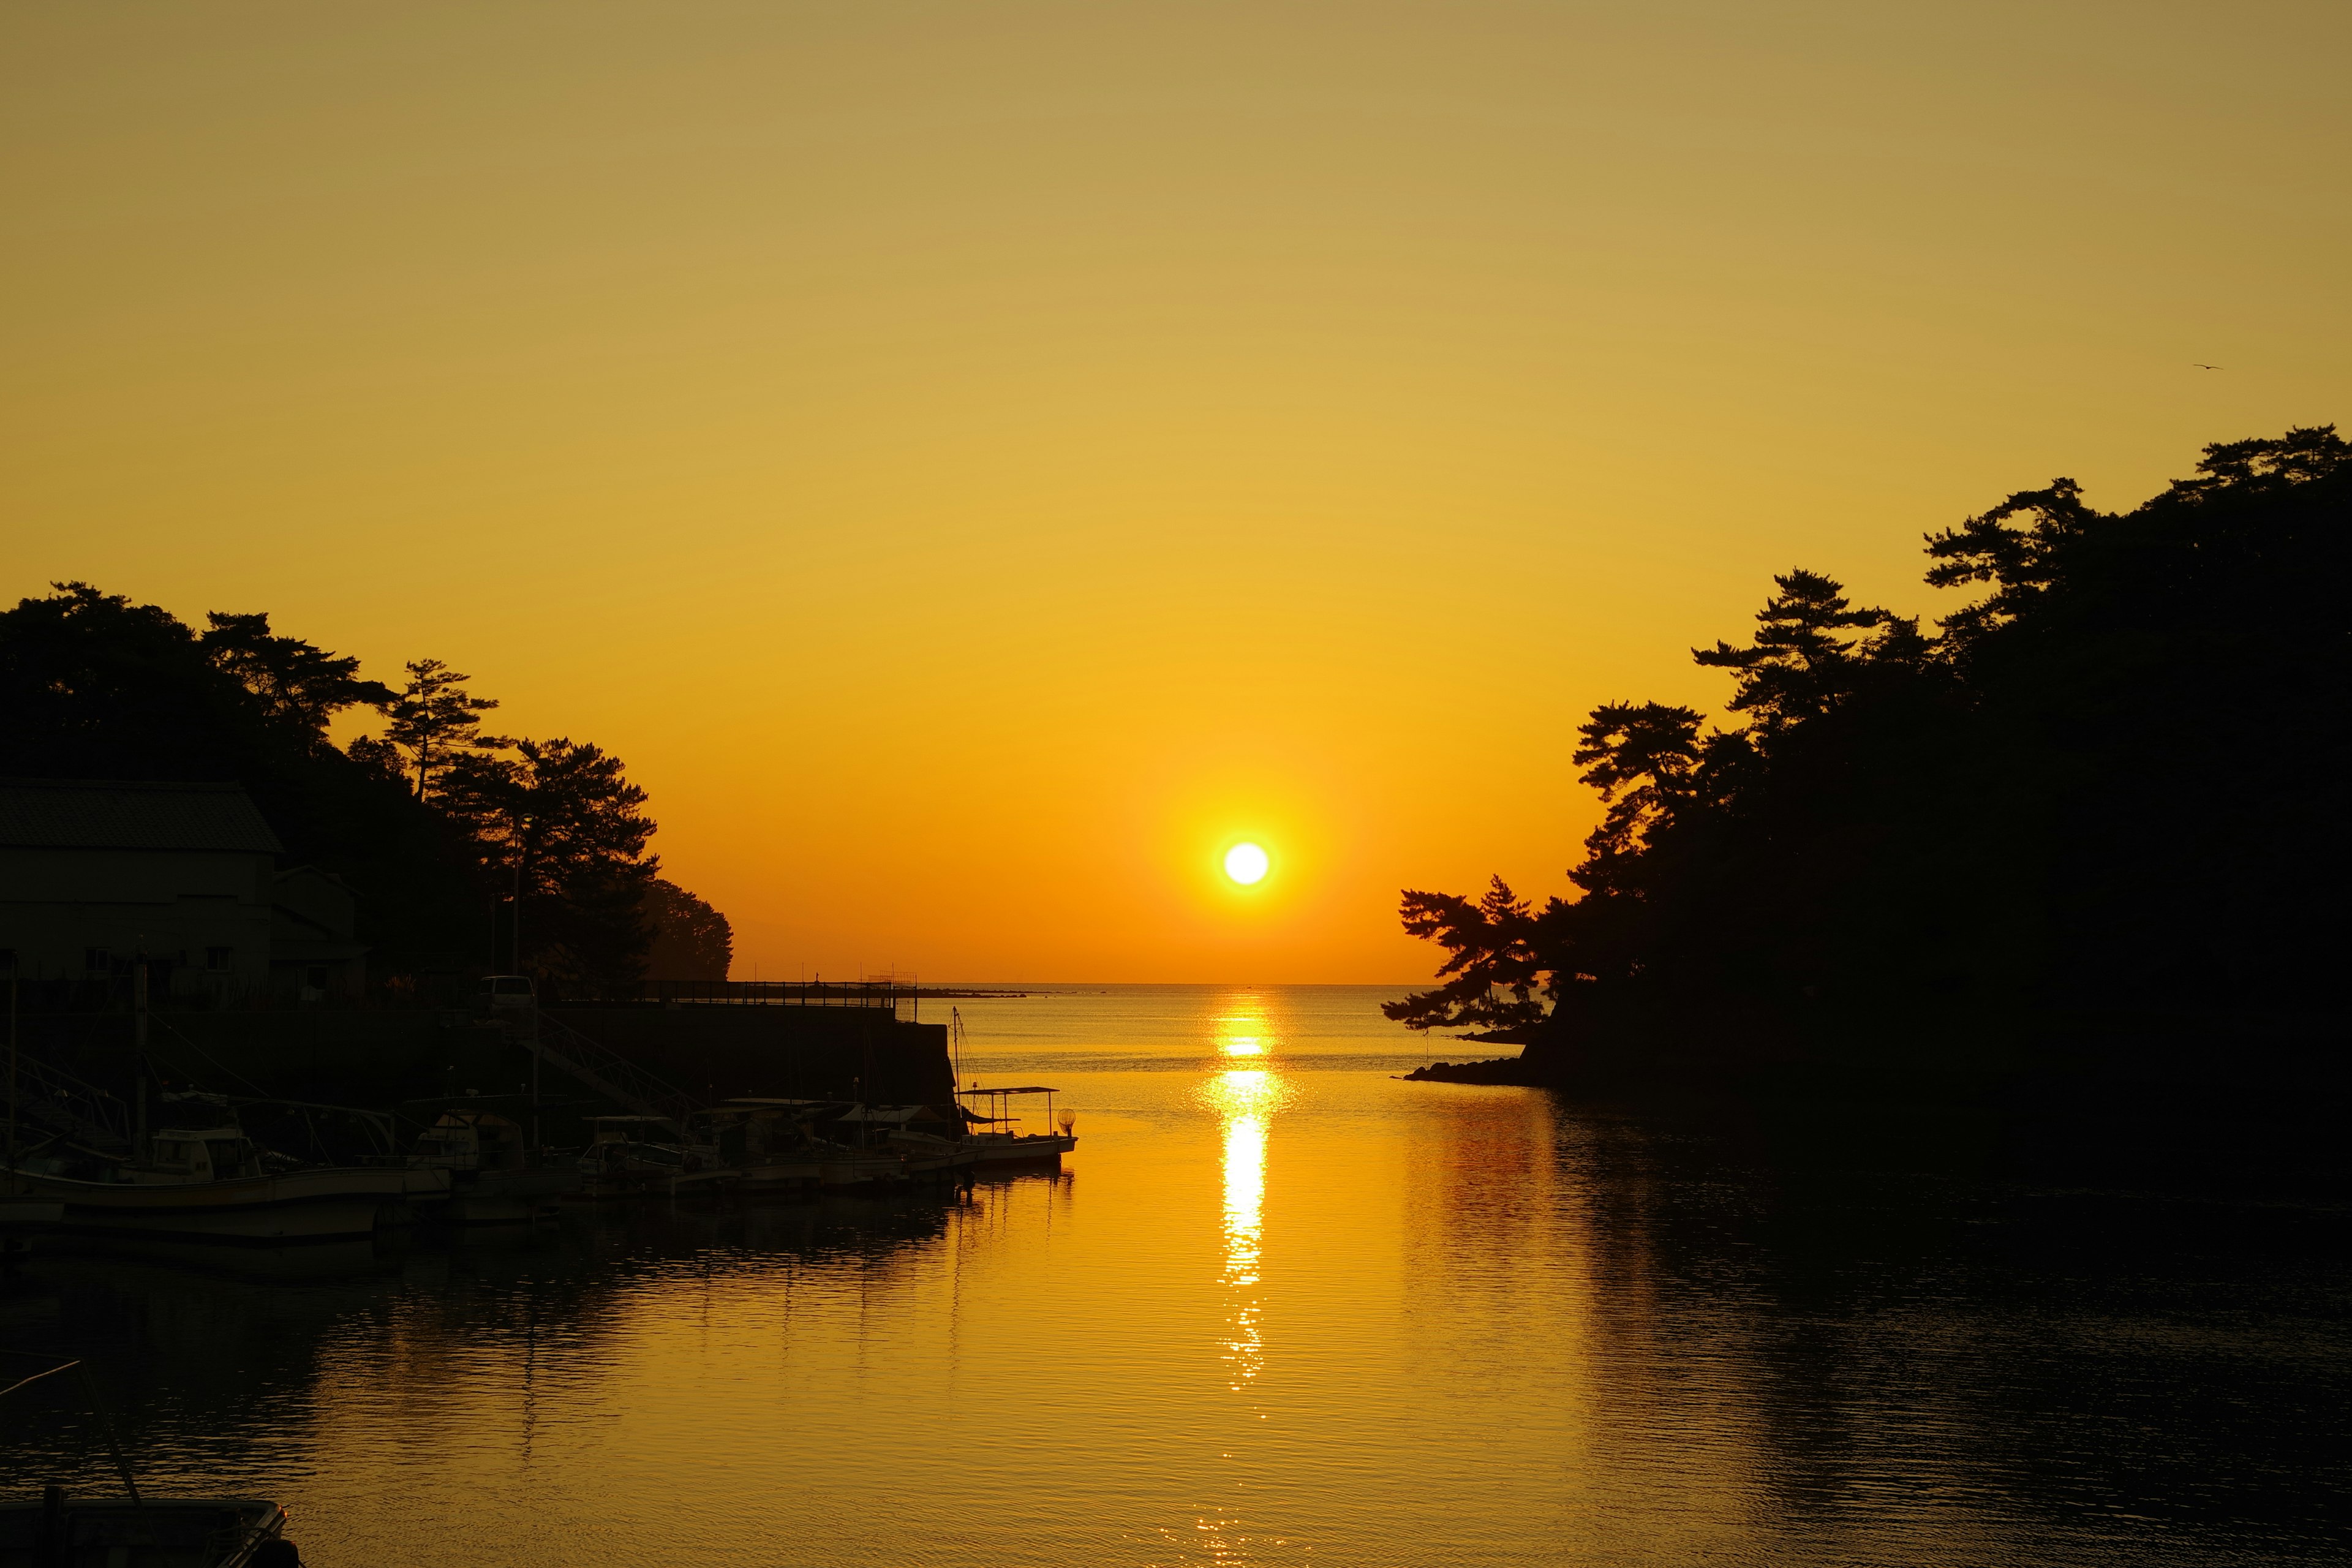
(841, 1168)
(775, 1146)
(1002, 1149)
(491, 1180)
(208, 1185)
(637, 1156)
(995, 1139)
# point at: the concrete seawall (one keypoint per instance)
(377, 1059)
(815, 1053)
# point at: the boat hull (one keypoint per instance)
(1035, 1149)
(329, 1204)
(860, 1173)
(504, 1198)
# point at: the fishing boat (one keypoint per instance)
(919, 1136)
(930, 1156)
(762, 1145)
(637, 1156)
(211, 1182)
(55, 1531)
(491, 1178)
(152, 1532)
(843, 1168)
(995, 1138)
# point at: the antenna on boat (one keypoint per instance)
(97, 1402)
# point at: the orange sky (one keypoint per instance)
(975, 461)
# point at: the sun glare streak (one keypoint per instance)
(1246, 1100)
(1244, 1232)
(1246, 1031)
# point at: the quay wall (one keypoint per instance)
(379, 1059)
(811, 1053)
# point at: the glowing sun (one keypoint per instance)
(1246, 864)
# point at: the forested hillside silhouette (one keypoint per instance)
(440, 827)
(2106, 795)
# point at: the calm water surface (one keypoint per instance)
(1278, 1308)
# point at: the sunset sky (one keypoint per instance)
(977, 462)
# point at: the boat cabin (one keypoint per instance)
(621, 1142)
(999, 1121)
(868, 1122)
(211, 1154)
(469, 1140)
(767, 1127)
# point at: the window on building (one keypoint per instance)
(216, 959)
(317, 977)
(96, 960)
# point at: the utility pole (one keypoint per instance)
(138, 1041)
(12, 1072)
(537, 1148)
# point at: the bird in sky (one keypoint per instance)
(2206, 367)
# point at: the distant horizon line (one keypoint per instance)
(914, 984)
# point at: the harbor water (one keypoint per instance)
(1279, 1307)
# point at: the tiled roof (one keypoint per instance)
(110, 813)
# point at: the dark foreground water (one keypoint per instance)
(1279, 1308)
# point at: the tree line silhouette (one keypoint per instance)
(445, 832)
(2112, 787)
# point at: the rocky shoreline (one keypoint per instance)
(1513, 1070)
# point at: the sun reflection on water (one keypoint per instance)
(1246, 1097)
(1244, 1029)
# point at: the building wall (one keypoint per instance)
(183, 908)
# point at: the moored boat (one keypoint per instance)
(213, 1183)
(996, 1141)
(55, 1531)
(491, 1178)
(637, 1156)
(152, 1532)
(330, 1203)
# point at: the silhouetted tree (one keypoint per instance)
(561, 826)
(691, 940)
(294, 683)
(425, 825)
(93, 685)
(434, 720)
(2112, 780)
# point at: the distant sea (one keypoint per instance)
(1180, 1027)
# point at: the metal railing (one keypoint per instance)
(606, 1071)
(883, 994)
